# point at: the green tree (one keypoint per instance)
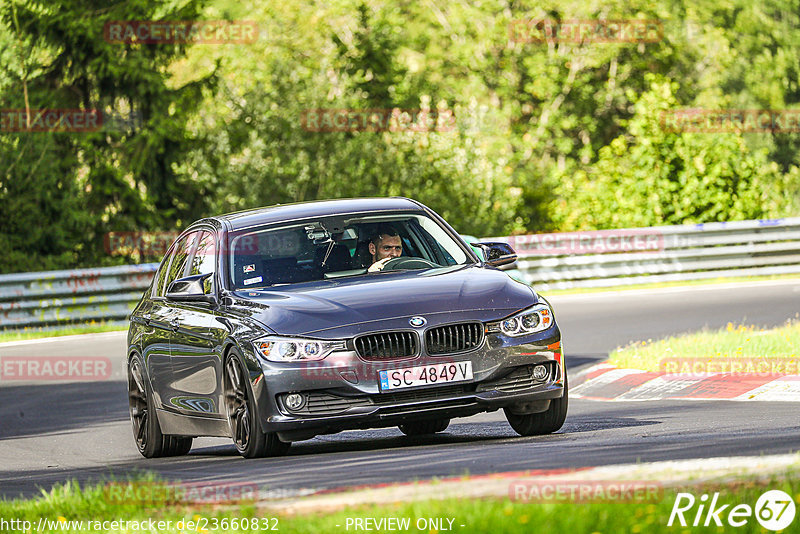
(111, 179)
(650, 177)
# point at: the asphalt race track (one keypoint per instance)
(58, 431)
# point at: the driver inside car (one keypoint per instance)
(385, 246)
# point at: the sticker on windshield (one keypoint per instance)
(249, 268)
(248, 281)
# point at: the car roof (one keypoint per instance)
(321, 208)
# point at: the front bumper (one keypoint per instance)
(342, 392)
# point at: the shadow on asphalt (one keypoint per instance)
(456, 433)
(33, 410)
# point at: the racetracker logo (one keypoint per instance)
(774, 510)
(585, 490)
(156, 244)
(143, 243)
(586, 31)
(66, 120)
(595, 242)
(161, 493)
(755, 367)
(180, 31)
(730, 121)
(377, 120)
(54, 368)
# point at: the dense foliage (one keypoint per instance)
(546, 135)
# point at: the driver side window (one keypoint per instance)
(177, 267)
(203, 261)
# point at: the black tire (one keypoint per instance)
(547, 422)
(181, 445)
(150, 441)
(421, 428)
(240, 407)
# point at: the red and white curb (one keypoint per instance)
(609, 383)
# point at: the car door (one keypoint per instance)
(160, 318)
(196, 364)
(164, 320)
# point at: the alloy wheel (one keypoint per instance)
(137, 401)
(236, 403)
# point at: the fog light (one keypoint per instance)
(294, 401)
(539, 372)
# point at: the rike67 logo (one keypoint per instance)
(774, 510)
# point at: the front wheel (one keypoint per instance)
(547, 422)
(250, 440)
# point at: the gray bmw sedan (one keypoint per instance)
(278, 324)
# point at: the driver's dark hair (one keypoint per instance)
(384, 230)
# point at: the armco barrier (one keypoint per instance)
(76, 296)
(658, 254)
(547, 261)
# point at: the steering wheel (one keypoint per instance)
(408, 262)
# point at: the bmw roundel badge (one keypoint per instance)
(417, 321)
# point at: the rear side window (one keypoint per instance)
(177, 266)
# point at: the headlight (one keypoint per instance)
(535, 319)
(287, 349)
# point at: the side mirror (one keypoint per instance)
(497, 253)
(191, 289)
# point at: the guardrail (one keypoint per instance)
(611, 258)
(604, 258)
(55, 298)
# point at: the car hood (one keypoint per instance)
(348, 306)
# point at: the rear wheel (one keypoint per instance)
(421, 428)
(150, 441)
(250, 440)
(547, 422)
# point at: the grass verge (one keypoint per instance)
(38, 333)
(67, 504)
(747, 343)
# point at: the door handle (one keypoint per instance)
(175, 324)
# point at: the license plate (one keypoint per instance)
(425, 375)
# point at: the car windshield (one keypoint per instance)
(334, 247)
